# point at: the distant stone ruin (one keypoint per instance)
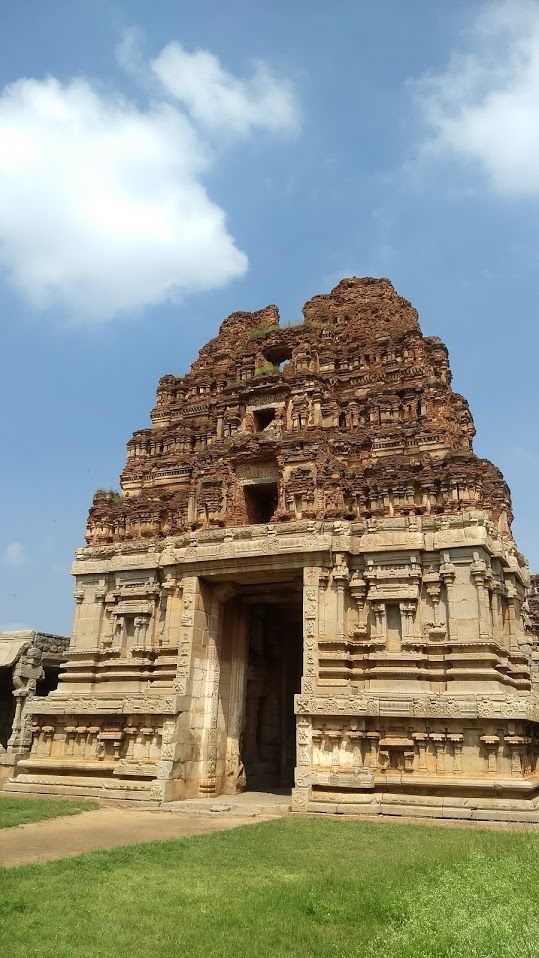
(29, 665)
(309, 580)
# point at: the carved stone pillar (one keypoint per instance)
(517, 746)
(358, 591)
(171, 591)
(491, 743)
(407, 614)
(341, 576)
(185, 647)
(47, 733)
(91, 738)
(317, 739)
(323, 579)
(439, 739)
(380, 631)
(372, 743)
(448, 575)
(147, 735)
(355, 736)
(311, 605)
(456, 740)
(421, 740)
(220, 595)
(511, 596)
(71, 734)
(131, 731)
(141, 628)
(478, 571)
(334, 737)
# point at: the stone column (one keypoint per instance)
(456, 739)
(355, 737)
(185, 648)
(234, 771)
(358, 590)
(341, 577)
(317, 739)
(478, 571)
(208, 783)
(323, 579)
(438, 739)
(448, 574)
(380, 632)
(421, 740)
(407, 613)
(311, 605)
(139, 638)
(512, 618)
(372, 744)
(171, 591)
(131, 731)
(491, 743)
(334, 737)
(70, 736)
(517, 745)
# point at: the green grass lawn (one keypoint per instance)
(289, 887)
(20, 811)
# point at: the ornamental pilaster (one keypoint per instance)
(341, 577)
(479, 574)
(491, 743)
(456, 741)
(517, 750)
(421, 740)
(448, 574)
(358, 591)
(438, 739)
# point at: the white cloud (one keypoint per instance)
(102, 203)
(219, 101)
(14, 554)
(484, 107)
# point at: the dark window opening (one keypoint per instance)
(49, 682)
(261, 501)
(277, 355)
(263, 417)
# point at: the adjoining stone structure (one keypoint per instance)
(29, 665)
(308, 572)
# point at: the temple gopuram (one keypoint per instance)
(308, 580)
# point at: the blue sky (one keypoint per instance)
(185, 160)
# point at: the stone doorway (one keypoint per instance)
(274, 666)
(261, 658)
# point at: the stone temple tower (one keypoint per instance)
(307, 580)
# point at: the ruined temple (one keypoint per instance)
(308, 579)
(29, 665)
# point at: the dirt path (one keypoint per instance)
(105, 828)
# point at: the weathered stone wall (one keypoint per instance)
(365, 424)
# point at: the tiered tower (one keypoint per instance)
(308, 574)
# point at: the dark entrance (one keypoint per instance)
(274, 668)
(7, 705)
(261, 501)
